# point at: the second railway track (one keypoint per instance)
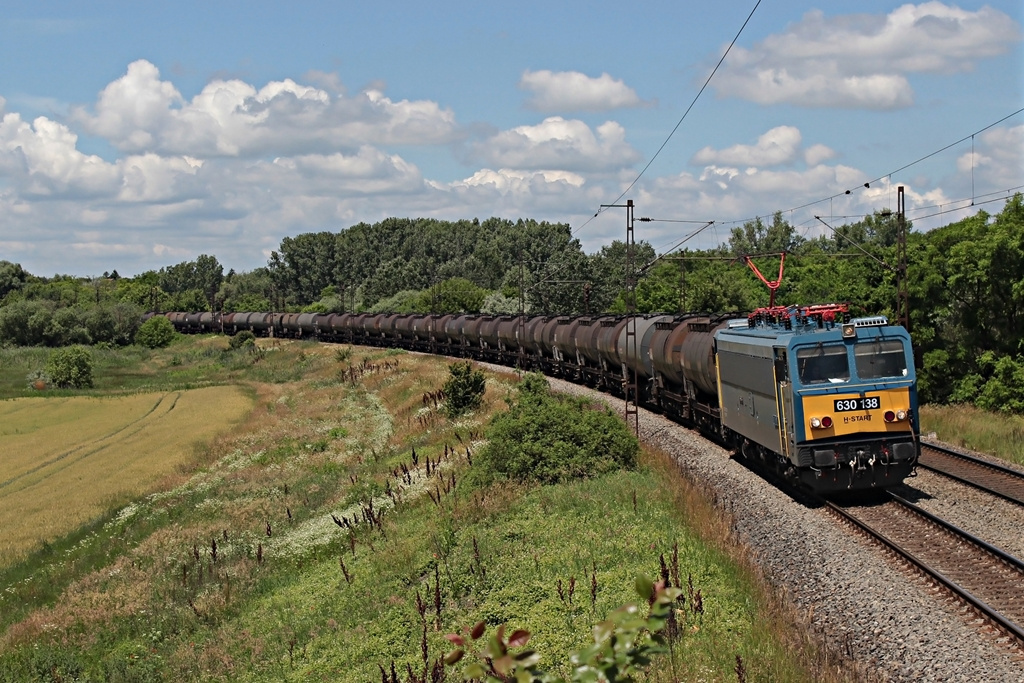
(996, 479)
(986, 578)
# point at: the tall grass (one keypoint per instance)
(974, 429)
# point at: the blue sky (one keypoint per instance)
(137, 135)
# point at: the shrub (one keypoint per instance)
(243, 339)
(155, 333)
(70, 368)
(464, 390)
(549, 438)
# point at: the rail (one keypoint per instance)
(993, 478)
(986, 578)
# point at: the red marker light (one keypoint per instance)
(889, 416)
(826, 422)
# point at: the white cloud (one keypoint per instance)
(151, 178)
(862, 61)
(42, 160)
(780, 145)
(506, 180)
(557, 143)
(368, 172)
(816, 154)
(561, 91)
(998, 158)
(141, 113)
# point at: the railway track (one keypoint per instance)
(995, 479)
(989, 580)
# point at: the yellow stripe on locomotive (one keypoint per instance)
(881, 411)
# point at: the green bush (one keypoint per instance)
(550, 438)
(70, 368)
(464, 390)
(998, 387)
(155, 333)
(243, 339)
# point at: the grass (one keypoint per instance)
(189, 363)
(235, 569)
(67, 460)
(968, 427)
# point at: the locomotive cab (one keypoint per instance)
(855, 405)
(830, 404)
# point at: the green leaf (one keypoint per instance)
(644, 587)
(453, 657)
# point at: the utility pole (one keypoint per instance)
(902, 295)
(629, 376)
(682, 286)
(521, 363)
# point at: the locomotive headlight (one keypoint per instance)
(849, 331)
(901, 415)
(821, 423)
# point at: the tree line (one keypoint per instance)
(965, 284)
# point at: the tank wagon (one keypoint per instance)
(807, 393)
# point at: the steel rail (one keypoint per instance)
(987, 611)
(1013, 478)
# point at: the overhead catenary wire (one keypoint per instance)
(973, 200)
(890, 173)
(681, 118)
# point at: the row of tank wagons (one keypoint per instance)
(671, 345)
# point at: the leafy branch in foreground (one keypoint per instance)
(623, 646)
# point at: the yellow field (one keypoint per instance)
(65, 461)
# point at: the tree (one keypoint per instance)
(12, 277)
(155, 333)
(406, 301)
(23, 323)
(70, 367)
(390, 278)
(305, 265)
(66, 326)
(457, 295)
(497, 303)
(609, 272)
(757, 238)
(203, 275)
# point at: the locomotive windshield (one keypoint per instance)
(824, 363)
(880, 358)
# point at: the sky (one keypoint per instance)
(140, 135)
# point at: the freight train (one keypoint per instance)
(807, 393)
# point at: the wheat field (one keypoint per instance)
(66, 461)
